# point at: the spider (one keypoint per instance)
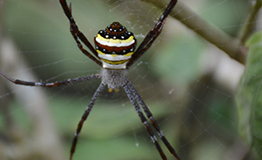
(115, 53)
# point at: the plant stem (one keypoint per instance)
(249, 26)
(231, 46)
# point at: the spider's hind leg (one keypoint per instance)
(76, 33)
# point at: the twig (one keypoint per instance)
(249, 26)
(231, 46)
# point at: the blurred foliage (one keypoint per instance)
(184, 66)
(197, 115)
(227, 15)
(249, 96)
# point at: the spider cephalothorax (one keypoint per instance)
(115, 46)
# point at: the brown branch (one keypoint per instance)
(231, 46)
(43, 139)
(249, 26)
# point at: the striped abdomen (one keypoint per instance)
(115, 46)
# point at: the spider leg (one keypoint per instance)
(52, 84)
(143, 118)
(153, 34)
(84, 117)
(76, 33)
(150, 116)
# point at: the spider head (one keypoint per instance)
(115, 46)
(111, 90)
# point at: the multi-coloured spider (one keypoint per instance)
(114, 52)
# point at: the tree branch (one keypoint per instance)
(249, 26)
(231, 46)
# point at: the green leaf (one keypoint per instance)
(249, 96)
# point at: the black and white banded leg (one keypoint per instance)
(84, 117)
(52, 84)
(131, 97)
(150, 116)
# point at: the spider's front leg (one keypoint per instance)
(143, 118)
(84, 117)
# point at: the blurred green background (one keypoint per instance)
(187, 83)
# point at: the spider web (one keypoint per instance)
(188, 84)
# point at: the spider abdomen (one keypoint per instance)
(115, 46)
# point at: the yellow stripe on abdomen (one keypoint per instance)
(115, 46)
